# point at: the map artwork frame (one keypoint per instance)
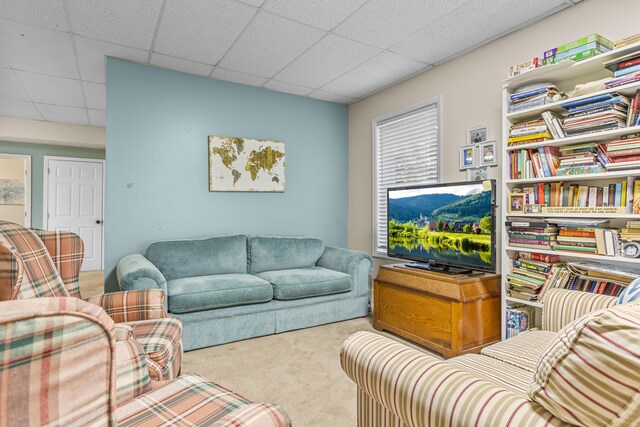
(246, 164)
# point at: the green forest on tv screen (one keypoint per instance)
(445, 227)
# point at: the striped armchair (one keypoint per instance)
(61, 364)
(38, 263)
(582, 369)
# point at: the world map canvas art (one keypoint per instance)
(245, 164)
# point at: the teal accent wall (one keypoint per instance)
(37, 152)
(157, 184)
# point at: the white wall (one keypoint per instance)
(471, 92)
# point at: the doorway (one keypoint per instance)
(73, 201)
(15, 188)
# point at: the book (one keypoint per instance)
(597, 38)
(538, 257)
(592, 100)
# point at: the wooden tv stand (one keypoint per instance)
(450, 314)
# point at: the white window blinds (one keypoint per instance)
(406, 153)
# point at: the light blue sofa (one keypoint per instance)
(231, 288)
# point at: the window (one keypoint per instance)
(406, 149)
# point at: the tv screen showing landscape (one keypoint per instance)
(450, 224)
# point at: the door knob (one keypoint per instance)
(98, 222)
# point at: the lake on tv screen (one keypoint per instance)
(415, 250)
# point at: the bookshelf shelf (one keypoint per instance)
(565, 75)
(593, 137)
(583, 177)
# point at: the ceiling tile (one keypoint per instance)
(52, 90)
(96, 95)
(483, 20)
(42, 13)
(178, 64)
(201, 30)
(324, 14)
(326, 96)
(238, 77)
(97, 117)
(287, 87)
(39, 50)
(126, 22)
(56, 113)
(326, 60)
(91, 57)
(374, 74)
(23, 109)
(383, 23)
(256, 3)
(269, 43)
(3, 63)
(10, 87)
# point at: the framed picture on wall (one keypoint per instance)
(477, 134)
(467, 156)
(488, 154)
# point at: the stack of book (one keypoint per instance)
(587, 237)
(627, 41)
(577, 50)
(534, 162)
(529, 278)
(533, 95)
(554, 124)
(596, 113)
(633, 114)
(529, 131)
(626, 69)
(579, 159)
(595, 278)
(631, 232)
(622, 154)
(531, 234)
(520, 318)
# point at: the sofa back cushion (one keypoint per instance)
(590, 373)
(199, 257)
(268, 253)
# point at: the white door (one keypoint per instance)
(74, 203)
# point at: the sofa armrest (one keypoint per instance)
(422, 390)
(355, 263)
(562, 306)
(135, 272)
(131, 306)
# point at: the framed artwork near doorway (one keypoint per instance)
(15, 188)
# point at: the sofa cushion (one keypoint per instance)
(495, 371)
(524, 350)
(215, 291)
(590, 373)
(268, 253)
(306, 282)
(199, 257)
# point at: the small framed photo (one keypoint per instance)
(516, 203)
(477, 134)
(533, 208)
(488, 154)
(467, 157)
(477, 174)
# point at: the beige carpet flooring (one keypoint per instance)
(299, 369)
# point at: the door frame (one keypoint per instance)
(45, 191)
(27, 183)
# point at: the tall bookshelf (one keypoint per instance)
(565, 76)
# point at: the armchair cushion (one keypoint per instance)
(590, 374)
(130, 306)
(35, 275)
(162, 342)
(202, 403)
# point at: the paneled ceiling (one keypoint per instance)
(52, 52)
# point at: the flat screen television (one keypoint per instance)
(443, 227)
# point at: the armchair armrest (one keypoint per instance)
(421, 390)
(355, 263)
(67, 252)
(130, 306)
(562, 306)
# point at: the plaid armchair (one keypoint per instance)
(38, 263)
(60, 364)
